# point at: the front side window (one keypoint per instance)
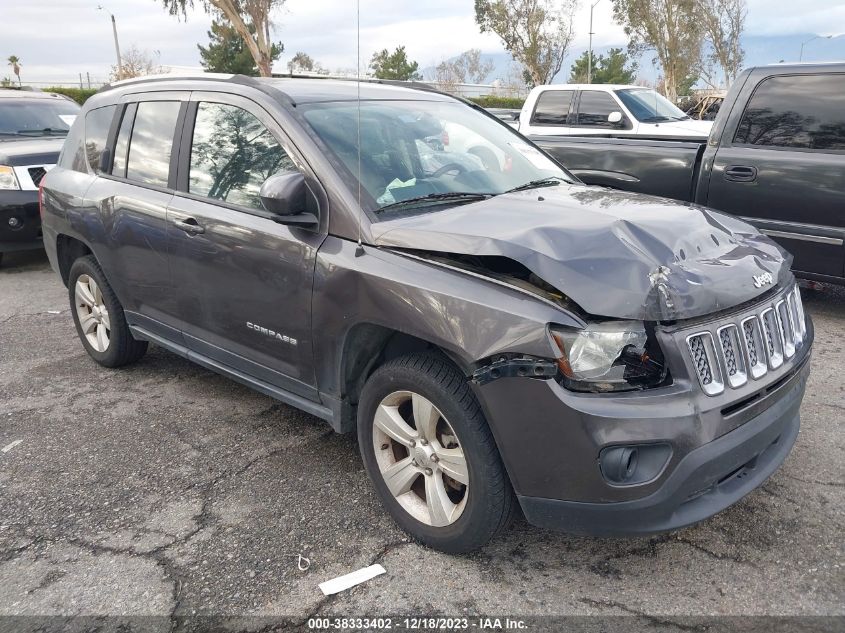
(152, 142)
(801, 112)
(232, 154)
(648, 106)
(432, 149)
(97, 125)
(552, 107)
(594, 108)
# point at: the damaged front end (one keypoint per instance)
(623, 264)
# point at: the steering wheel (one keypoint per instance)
(447, 168)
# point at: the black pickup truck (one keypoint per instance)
(775, 158)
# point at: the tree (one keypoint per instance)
(613, 69)
(395, 65)
(303, 62)
(15, 63)
(227, 53)
(671, 29)
(136, 63)
(465, 68)
(537, 33)
(250, 19)
(723, 22)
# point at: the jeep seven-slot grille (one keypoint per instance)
(758, 343)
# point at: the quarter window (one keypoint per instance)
(152, 142)
(803, 112)
(552, 107)
(232, 154)
(594, 108)
(97, 124)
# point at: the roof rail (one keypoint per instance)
(242, 79)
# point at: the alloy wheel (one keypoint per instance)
(93, 313)
(420, 458)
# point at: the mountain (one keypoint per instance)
(760, 50)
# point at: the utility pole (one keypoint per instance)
(116, 45)
(590, 53)
(801, 56)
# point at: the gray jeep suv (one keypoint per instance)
(398, 262)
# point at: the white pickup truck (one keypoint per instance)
(606, 110)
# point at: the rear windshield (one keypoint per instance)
(36, 117)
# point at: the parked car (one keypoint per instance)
(776, 159)
(32, 129)
(606, 110)
(608, 362)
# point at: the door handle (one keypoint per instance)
(190, 226)
(740, 173)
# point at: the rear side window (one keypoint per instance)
(232, 154)
(594, 108)
(72, 155)
(121, 145)
(552, 107)
(801, 112)
(152, 142)
(97, 125)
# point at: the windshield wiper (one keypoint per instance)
(550, 181)
(47, 131)
(466, 196)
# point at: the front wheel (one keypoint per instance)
(431, 456)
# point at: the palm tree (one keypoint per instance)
(14, 62)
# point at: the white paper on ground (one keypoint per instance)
(336, 585)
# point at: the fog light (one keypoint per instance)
(636, 464)
(15, 222)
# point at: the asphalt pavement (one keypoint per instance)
(162, 489)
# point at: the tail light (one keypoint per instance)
(444, 137)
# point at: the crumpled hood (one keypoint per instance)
(614, 253)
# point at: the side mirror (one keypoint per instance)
(615, 118)
(285, 196)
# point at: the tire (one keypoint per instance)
(97, 310)
(471, 513)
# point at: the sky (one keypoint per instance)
(59, 39)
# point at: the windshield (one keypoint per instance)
(36, 117)
(649, 106)
(427, 153)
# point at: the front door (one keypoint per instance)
(243, 280)
(784, 169)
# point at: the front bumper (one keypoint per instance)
(23, 207)
(706, 481)
(707, 451)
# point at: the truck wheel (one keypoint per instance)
(431, 456)
(99, 317)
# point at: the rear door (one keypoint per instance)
(784, 167)
(552, 113)
(132, 194)
(244, 280)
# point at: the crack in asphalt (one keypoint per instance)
(33, 314)
(662, 621)
(715, 555)
(816, 482)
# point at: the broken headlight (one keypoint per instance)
(609, 356)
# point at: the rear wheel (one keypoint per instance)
(431, 455)
(99, 317)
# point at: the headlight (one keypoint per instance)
(609, 356)
(8, 180)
